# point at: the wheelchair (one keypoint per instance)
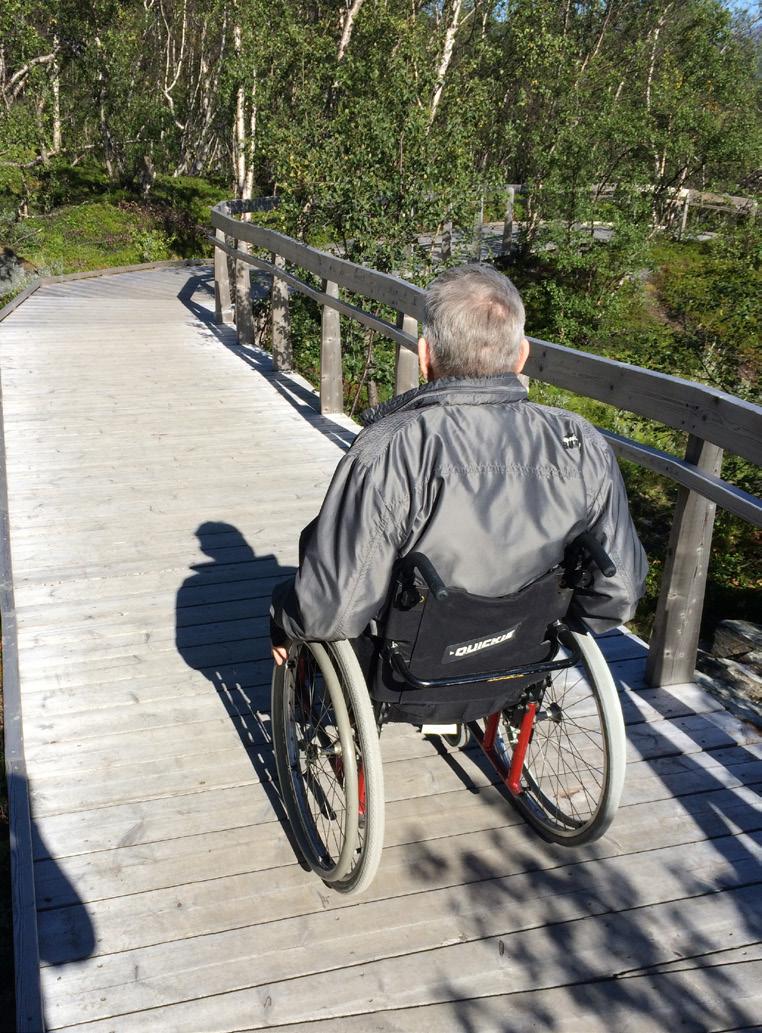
(514, 675)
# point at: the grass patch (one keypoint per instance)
(90, 236)
(80, 220)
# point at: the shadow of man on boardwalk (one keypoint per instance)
(222, 630)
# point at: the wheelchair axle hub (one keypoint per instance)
(552, 713)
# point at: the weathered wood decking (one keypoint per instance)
(157, 478)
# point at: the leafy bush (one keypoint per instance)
(151, 245)
(88, 236)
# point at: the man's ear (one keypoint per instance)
(424, 359)
(523, 355)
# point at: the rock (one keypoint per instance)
(736, 639)
(14, 270)
(736, 685)
(744, 709)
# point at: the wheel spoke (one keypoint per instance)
(567, 769)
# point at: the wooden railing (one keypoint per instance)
(714, 421)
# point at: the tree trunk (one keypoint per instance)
(55, 84)
(239, 124)
(348, 26)
(444, 64)
(245, 118)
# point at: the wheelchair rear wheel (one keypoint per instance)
(574, 767)
(328, 760)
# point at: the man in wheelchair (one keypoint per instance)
(488, 487)
(468, 543)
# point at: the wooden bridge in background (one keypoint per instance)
(157, 470)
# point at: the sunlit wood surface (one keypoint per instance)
(158, 477)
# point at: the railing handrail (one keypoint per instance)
(713, 420)
(732, 423)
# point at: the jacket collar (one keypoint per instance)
(452, 391)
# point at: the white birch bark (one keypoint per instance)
(55, 86)
(346, 34)
(239, 124)
(444, 63)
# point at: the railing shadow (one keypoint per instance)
(235, 587)
(598, 929)
(197, 295)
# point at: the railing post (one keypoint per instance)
(478, 224)
(331, 384)
(445, 250)
(507, 243)
(223, 303)
(406, 375)
(674, 639)
(684, 217)
(244, 319)
(280, 332)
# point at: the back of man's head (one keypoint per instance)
(473, 322)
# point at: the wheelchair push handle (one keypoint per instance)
(597, 553)
(424, 566)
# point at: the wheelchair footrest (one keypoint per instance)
(448, 729)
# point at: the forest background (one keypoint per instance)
(374, 121)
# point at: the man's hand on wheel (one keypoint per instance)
(280, 655)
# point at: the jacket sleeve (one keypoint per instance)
(608, 602)
(347, 556)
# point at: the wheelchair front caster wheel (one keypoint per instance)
(460, 739)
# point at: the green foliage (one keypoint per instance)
(713, 297)
(88, 236)
(693, 312)
(602, 110)
(151, 245)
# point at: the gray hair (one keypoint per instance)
(474, 322)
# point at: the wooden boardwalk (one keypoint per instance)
(157, 478)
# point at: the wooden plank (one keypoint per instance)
(236, 763)
(713, 415)
(29, 1009)
(280, 323)
(223, 302)
(293, 948)
(143, 867)
(689, 999)
(278, 270)
(726, 421)
(464, 970)
(244, 319)
(422, 853)
(19, 300)
(700, 481)
(674, 639)
(389, 290)
(46, 281)
(331, 381)
(214, 811)
(406, 375)
(79, 727)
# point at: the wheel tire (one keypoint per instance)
(575, 765)
(322, 799)
(460, 739)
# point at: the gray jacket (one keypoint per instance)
(488, 485)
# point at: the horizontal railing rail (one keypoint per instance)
(715, 422)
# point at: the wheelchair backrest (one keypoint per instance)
(465, 634)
